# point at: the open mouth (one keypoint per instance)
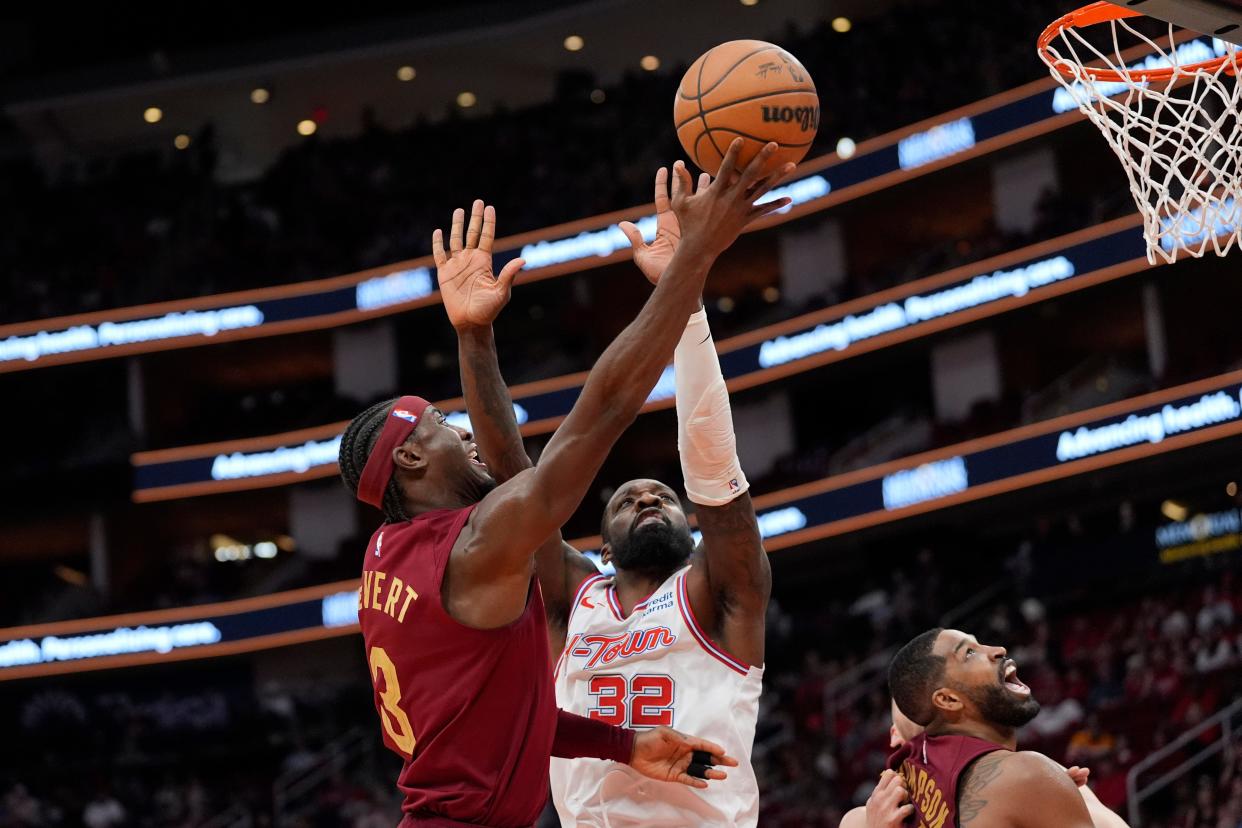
(473, 456)
(649, 516)
(1011, 681)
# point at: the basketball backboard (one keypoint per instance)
(1220, 18)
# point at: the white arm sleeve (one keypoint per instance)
(705, 438)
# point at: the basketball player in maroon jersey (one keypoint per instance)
(889, 805)
(451, 615)
(965, 769)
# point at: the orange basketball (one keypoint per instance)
(751, 89)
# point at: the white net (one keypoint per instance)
(1177, 132)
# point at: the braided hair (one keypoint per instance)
(356, 445)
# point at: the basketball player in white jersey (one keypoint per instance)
(676, 636)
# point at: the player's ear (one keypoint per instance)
(947, 701)
(409, 457)
(605, 553)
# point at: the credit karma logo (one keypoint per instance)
(939, 142)
(300, 459)
(110, 334)
(926, 482)
(981, 290)
(609, 240)
(1136, 429)
(119, 641)
(393, 289)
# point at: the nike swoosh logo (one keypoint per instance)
(586, 602)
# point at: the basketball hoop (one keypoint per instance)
(1172, 118)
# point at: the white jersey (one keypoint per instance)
(656, 667)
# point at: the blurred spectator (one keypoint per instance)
(1090, 743)
(104, 811)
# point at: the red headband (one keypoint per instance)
(397, 429)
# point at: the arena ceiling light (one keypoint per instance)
(750, 2)
(841, 25)
(182, 141)
(846, 148)
(650, 63)
(1174, 510)
(259, 95)
(467, 99)
(152, 114)
(406, 74)
(307, 127)
(574, 43)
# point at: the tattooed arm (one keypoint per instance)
(1019, 790)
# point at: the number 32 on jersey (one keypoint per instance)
(634, 701)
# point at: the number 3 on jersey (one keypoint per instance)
(396, 723)
(640, 701)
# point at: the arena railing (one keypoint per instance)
(916, 309)
(969, 132)
(1136, 796)
(1135, 429)
(292, 792)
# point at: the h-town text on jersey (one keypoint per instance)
(605, 649)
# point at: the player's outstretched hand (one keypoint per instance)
(712, 218)
(887, 807)
(1079, 775)
(472, 296)
(653, 258)
(671, 756)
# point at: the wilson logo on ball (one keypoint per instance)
(807, 117)
(746, 89)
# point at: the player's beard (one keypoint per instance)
(1000, 707)
(655, 547)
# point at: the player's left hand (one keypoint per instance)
(889, 805)
(1079, 775)
(472, 296)
(652, 259)
(666, 754)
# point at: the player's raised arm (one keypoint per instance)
(473, 298)
(514, 520)
(731, 579)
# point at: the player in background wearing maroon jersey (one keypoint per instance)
(451, 615)
(965, 769)
(725, 587)
(889, 806)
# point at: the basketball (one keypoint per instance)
(748, 89)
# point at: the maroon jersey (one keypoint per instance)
(472, 712)
(931, 766)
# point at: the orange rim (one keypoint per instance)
(1106, 12)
